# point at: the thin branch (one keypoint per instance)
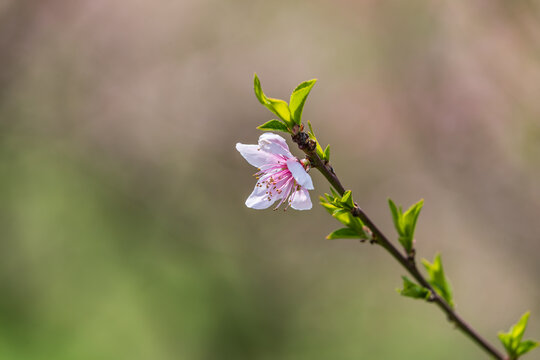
(307, 145)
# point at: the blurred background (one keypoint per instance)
(124, 233)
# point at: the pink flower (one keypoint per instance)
(281, 176)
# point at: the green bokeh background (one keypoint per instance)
(124, 230)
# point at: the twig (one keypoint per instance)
(408, 262)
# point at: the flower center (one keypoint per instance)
(278, 181)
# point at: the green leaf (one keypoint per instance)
(512, 339)
(258, 90)
(274, 125)
(405, 223)
(345, 217)
(334, 192)
(280, 108)
(347, 200)
(506, 340)
(438, 280)
(343, 233)
(329, 207)
(518, 329)
(331, 199)
(327, 153)
(337, 206)
(526, 346)
(410, 217)
(277, 106)
(310, 132)
(298, 98)
(413, 290)
(396, 216)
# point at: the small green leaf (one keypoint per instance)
(345, 217)
(526, 346)
(410, 217)
(280, 108)
(413, 290)
(274, 125)
(506, 340)
(339, 209)
(347, 199)
(512, 339)
(298, 98)
(343, 233)
(277, 106)
(518, 329)
(438, 280)
(327, 153)
(405, 223)
(396, 216)
(258, 90)
(310, 132)
(329, 207)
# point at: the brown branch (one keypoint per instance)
(308, 146)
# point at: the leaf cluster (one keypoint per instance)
(340, 208)
(512, 339)
(405, 223)
(438, 280)
(289, 114)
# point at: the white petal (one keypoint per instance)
(301, 200)
(255, 156)
(259, 198)
(300, 174)
(274, 144)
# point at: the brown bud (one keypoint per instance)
(301, 138)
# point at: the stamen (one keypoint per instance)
(279, 182)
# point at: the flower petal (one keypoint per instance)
(301, 200)
(255, 156)
(300, 174)
(259, 198)
(274, 144)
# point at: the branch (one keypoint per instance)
(308, 146)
